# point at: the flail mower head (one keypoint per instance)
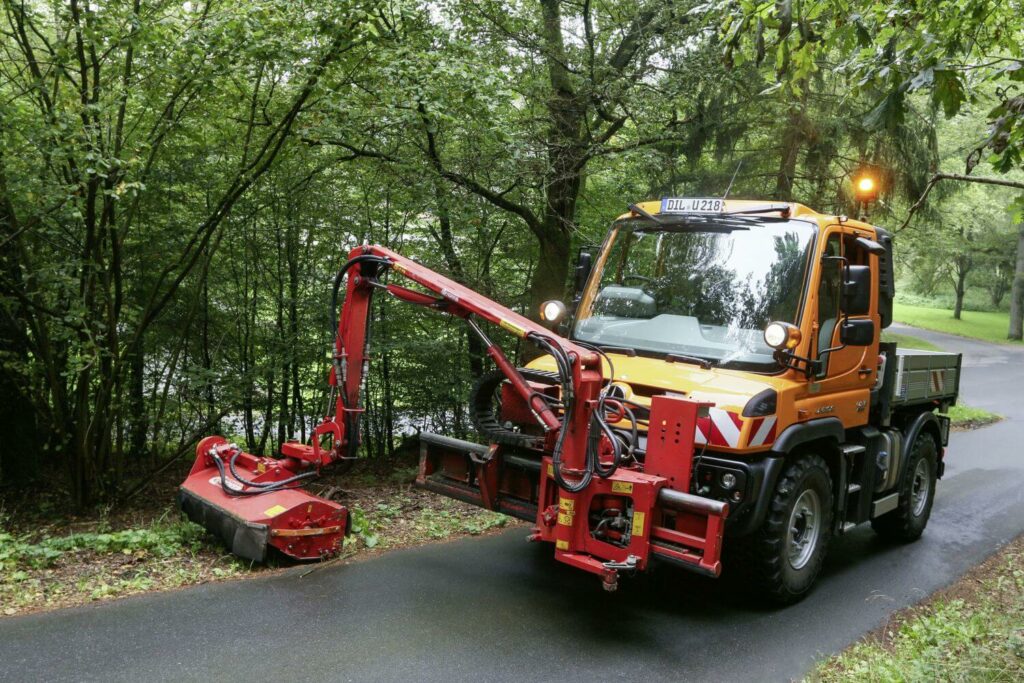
(252, 503)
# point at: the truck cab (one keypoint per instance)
(772, 313)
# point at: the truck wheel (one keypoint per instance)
(786, 553)
(917, 491)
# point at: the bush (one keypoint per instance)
(160, 539)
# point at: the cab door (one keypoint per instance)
(842, 384)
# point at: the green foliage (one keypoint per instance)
(403, 520)
(891, 50)
(160, 540)
(362, 528)
(975, 639)
(171, 223)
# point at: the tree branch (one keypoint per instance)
(1002, 182)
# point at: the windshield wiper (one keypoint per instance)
(695, 360)
(695, 222)
(635, 208)
(621, 350)
(784, 209)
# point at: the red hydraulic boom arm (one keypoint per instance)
(350, 351)
(252, 502)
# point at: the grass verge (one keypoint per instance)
(987, 326)
(49, 560)
(964, 418)
(48, 569)
(971, 631)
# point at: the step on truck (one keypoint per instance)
(716, 392)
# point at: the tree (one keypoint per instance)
(542, 91)
(895, 49)
(108, 101)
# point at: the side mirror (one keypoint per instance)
(870, 246)
(584, 264)
(857, 332)
(857, 290)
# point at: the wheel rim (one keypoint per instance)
(804, 524)
(921, 487)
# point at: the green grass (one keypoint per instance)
(966, 417)
(908, 342)
(975, 634)
(988, 326)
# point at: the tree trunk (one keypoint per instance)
(138, 418)
(298, 410)
(1016, 330)
(204, 339)
(566, 161)
(552, 271)
(446, 240)
(19, 456)
(961, 287)
(283, 346)
(791, 139)
(958, 307)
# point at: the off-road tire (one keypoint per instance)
(769, 569)
(907, 522)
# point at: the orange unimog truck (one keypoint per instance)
(717, 396)
(768, 316)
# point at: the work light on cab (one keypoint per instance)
(866, 188)
(552, 311)
(779, 335)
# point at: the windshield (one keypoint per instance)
(705, 289)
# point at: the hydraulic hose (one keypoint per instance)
(268, 487)
(340, 277)
(351, 424)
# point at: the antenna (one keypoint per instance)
(734, 174)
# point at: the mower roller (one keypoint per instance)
(604, 511)
(252, 503)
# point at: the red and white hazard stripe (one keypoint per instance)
(763, 431)
(938, 381)
(719, 428)
(722, 428)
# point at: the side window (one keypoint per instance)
(828, 297)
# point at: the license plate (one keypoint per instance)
(692, 205)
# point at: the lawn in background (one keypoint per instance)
(989, 326)
(905, 341)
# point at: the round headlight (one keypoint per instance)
(552, 311)
(728, 480)
(779, 335)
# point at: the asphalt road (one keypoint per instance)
(499, 609)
